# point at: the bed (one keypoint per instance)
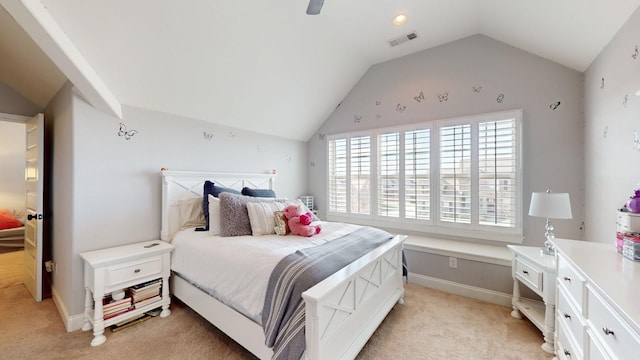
(12, 230)
(340, 313)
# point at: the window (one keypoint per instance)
(385, 177)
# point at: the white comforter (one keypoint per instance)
(236, 269)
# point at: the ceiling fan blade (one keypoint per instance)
(314, 7)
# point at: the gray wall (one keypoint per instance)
(552, 139)
(108, 189)
(611, 154)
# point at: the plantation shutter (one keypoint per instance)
(337, 156)
(497, 165)
(389, 175)
(455, 174)
(360, 175)
(417, 173)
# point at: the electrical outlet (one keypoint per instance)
(453, 263)
(50, 266)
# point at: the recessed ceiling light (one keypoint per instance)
(400, 19)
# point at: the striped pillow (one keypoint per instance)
(262, 218)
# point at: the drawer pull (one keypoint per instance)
(606, 331)
(136, 271)
(567, 316)
(566, 278)
(525, 272)
(567, 353)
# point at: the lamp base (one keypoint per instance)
(548, 249)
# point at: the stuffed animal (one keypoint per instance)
(299, 223)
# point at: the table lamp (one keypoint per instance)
(551, 206)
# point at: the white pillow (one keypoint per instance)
(262, 218)
(214, 215)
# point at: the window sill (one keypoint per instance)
(421, 230)
(492, 254)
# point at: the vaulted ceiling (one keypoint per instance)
(268, 67)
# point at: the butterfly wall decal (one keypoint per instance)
(207, 136)
(605, 131)
(500, 98)
(477, 89)
(443, 97)
(400, 108)
(625, 100)
(419, 98)
(126, 133)
(555, 105)
(602, 84)
(357, 118)
(321, 136)
(635, 54)
(378, 102)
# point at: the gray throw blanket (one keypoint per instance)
(283, 316)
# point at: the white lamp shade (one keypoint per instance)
(550, 205)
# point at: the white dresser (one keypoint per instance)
(598, 302)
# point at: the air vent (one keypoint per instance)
(402, 39)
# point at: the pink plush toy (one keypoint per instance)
(300, 224)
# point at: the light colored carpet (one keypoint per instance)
(430, 325)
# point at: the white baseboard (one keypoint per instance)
(71, 322)
(469, 291)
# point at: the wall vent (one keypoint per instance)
(402, 39)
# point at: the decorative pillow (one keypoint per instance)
(190, 211)
(7, 220)
(261, 216)
(264, 193)
(281, 228)
(214, 215)
(211, 188)
(234, 218)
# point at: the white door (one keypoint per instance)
(33, 227)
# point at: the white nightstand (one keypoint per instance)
(119, 268)
(538, 272)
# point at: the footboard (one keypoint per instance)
(344, 310)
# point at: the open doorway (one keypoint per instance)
(23, 256)
(12, 200)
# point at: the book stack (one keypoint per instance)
(146, 293)
(111, 307)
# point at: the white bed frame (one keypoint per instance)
(342, 312)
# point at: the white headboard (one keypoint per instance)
(181, 185)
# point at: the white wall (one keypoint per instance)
(611, 154)
(552, 139)
(109, 192)
(12, 164)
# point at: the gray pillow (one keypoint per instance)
(234, 218)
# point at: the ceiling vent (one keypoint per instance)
(402, 39)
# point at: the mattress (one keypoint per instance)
(236, 269)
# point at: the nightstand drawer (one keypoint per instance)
(571, 281)
(528, 273)
(609, 329)
(132, 272)
(571, 320)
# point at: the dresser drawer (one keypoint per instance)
(609, 329)
(569, 278)
(132, 272)
(529, 274)
(595, 349)
(565, 347)
(570, 318)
